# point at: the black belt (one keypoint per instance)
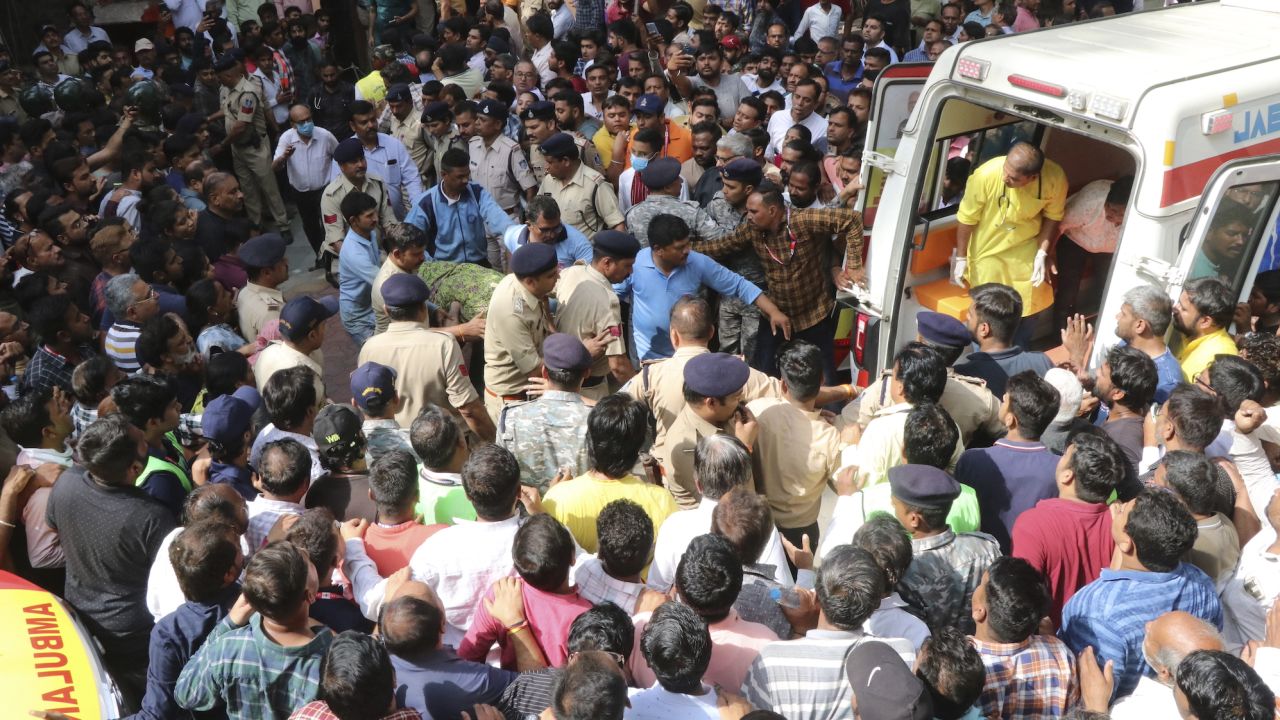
(593, 381)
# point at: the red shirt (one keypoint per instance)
(549, 616)
(1069, 542)
(391, 547)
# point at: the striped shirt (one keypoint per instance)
(804, 679)
(1027, 680)
(597, 586)
(121, 346)
(1111, 614)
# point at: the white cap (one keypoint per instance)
(143, 44)
(1070, 393)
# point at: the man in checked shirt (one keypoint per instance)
(790, 245)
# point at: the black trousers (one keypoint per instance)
(1073, 262)
(795, 536)
(309, 208)
(822, 335)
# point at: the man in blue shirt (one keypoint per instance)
(358, 263)
(1153, 533)
(458, 213)
(665, 272)
(1143, 319)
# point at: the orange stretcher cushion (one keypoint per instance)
(941, 296)
(936, 252)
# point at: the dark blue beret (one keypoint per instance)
(498, 45)
(661, 173)
(716, 374)
(349, 150)
(435, 110)
(561, 351)
(616, 244)
(399, 93)
(224, 63)
(940, 329)
(532, 259)
(403, 290)
(491, 108)
(541, 110)
(559, 145)
(743, 170)
(262, 251)
(923, 486)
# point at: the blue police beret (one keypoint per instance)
(716, 374)
(650, 104)
(435, 110)
(262, 251)
(532, 259)
(559, 145)
(743, 170)
(181, 90)
(940, 329)
(491, 108)
(399, 93)
(224, 63)
(923, 486)
(561, 351)
(372, 380)
(498, 45)
(616, 244)
(404, 289)
(227, 417)
(302, 314)
(661, 173)
(349, 150)
(541, 110)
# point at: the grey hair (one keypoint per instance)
(720, 464)
(1152, 305)
(120, 294)
(736, 143)
(543, 206)
(1202, 635)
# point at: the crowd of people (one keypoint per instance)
(596, 460)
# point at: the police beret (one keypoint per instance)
(743, 170)
(224, 63)
(262, 251)
(491, 108)
(181, 90)
(399, 93)
(559, 145)
(403, 290)
(616, 244)
(561, 351)
(923, 486)
(650, 104)
(227, 417)
(302, 314)
(435, 110)
(372, 380)
(716, 374)
(541, 110)
(940, 329)
(532, 259)
(661, 173)
(349, 150)
(498, 45)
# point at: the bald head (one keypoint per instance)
(299, 114)
(691, 320)
(1175, 635)
(1026, 159)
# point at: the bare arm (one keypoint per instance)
(507, 607)
(477, 418)
(621, 368)
(112, 148)
(1243, 515)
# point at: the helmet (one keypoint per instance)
(73, 95)
(147, 98)
(36, 100)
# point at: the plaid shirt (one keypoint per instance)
(319, 710)
(744, 9)
(82, 417)
(1028, 680)
(795, 259)
(47, 369)
(597, 586)
(589, 16)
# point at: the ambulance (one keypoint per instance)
(48, 661)
(1186, 99)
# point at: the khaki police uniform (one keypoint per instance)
(278, 356)
(381, 319)
(436, 148)
(587, 201)
(675, 454)
(966, 399)
(335, 226)
(252, 153)
(588, 306)
(516, 325)
(257, 306)
(501, 169)
(587, 153)
(409, 132)
(429, 368)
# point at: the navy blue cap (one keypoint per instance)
(227, 417)
(404, 289)
(743, 170)
(349, 150)
(498, 45)
(372, 380)
(661, 173)
(491, 108)
(884, 685)
(181, 90)
(942, 329)
(650, 104)
(435, 110)
(533, 259)
(561, 351)
(337, 425)
(616, 244)
(188, 124)
(301, 315)
(923, 486)
(262, 251)
(559, 145)
(224, 63)
(399, 93)
(540, 110)
(716, 374)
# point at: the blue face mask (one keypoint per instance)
(639, 163)
(306, 128)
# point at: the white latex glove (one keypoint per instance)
(1037, 270)
(959, 266)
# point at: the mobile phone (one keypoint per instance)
(652, 28)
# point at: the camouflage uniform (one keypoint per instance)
(739, 323)
(545, 435)
(944, 572)
(701, 226)
(383, 436)
(466, 283)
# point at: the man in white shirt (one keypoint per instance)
(541, 33)
(819, 21)
(292, 409)
(386, 157)
(804, 100)
(83, 31)
(677, 646)
(307, 151)
(873, 32)
(1170, 638)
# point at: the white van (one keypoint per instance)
(1186, 99)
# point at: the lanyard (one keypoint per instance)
(791, 244)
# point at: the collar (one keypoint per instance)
(764, 570)
(999, 648)
(404, 326)
(700, 426)
(688, 351)
(942, 539)
(262, 501)
(1020, 445)
(262, 289)
(1000, 354)
(379, 423)
(821, 634)
(1215, 336)
(561, 396)
(1141, 576)
(894, 409)
(443, 479)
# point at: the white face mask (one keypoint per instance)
(188, 358)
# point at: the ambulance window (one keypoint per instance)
(1236, 232)
(899, 101)
(955, 158)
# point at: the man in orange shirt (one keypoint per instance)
(649, 111)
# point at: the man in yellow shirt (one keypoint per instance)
(1201, 315)
(1010, 214)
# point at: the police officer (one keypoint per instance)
(662, 177)
(589, 308)
(440, 134)
(353, 176)
(245, 116)
(496, 161)
(518, 320)
(548, 435)
(975, 409)
(739, 322)
(260, 300)
(405, 125)
(539, 121)
(586, 201)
